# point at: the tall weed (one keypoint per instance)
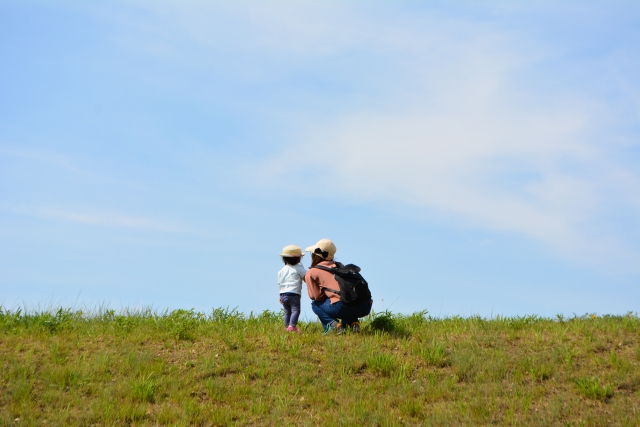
(382, 363)
(143, 389)
(434, 354)
(592, 388)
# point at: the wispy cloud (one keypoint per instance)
(99, 219)
(111, 220)
(13, 153)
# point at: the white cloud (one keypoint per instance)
(468, 165)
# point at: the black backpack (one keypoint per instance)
(354, 290)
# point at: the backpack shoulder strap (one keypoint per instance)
(330, 270)
(322, 267)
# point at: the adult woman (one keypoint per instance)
(322, 287)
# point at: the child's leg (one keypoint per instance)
(295, 309)
(286, 305)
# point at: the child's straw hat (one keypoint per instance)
(292, 251)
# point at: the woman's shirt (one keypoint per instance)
(317, 280)
(290, 278)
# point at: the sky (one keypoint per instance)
(473, 158)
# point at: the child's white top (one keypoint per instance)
(290, 278)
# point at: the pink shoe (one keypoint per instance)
(291, 328)
(296, 329)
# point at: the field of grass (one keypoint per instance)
(67, 368)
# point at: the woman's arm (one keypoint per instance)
(313, 286)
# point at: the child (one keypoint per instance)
(290, 282)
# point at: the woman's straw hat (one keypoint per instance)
(324, 249)
(292, 251)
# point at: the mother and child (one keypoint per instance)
(339, 295)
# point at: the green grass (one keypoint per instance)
(68, 368)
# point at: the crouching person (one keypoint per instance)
(337, 306)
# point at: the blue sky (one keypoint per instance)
(471, 157)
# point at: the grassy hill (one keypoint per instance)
(225, 368)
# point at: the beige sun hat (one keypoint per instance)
(292, 251)
(324, 249)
